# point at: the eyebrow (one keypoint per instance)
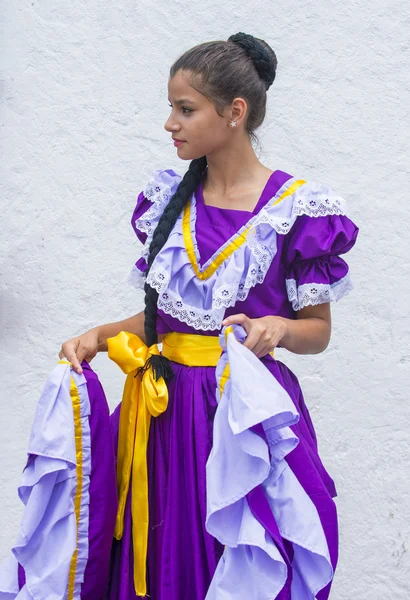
(182, 101)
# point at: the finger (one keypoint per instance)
(267, 346)
(260, 353)
(85, 353)
(89, 356)
(239, 319)
(74, 359)
(252, 339)
(261, 349)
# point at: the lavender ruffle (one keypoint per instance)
(39, 565)
(49, 532)
(243, 460)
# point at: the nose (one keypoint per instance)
(171, 125)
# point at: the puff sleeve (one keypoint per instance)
(315, 271)
(150, 205)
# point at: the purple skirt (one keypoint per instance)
(182, 556)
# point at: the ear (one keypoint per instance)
(239, 110)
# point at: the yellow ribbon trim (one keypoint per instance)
(143, 397)
(227, 371)
(75, 399)
(189, 245)
(236, 243)
(291, 190)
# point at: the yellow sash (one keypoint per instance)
(144, 397)
(192, 350)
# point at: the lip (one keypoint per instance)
(177, 142)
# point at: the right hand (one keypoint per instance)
(83, 347)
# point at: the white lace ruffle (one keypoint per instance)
(171, 303)
(262, 253)
(159, 193)
(158, 277)
(311, 199)
(159, 190)
(205, 320)
(225, 288)
(136, 278)
(311, 294)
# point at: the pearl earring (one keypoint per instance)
(232, 123)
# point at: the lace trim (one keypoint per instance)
(224, 296)
(159, 193)
(136, 278)
(205, 320)
(158, 278)
(263, 254)
(172, 304)
(311, 294)
(319, 205)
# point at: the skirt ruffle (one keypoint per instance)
(182, 556)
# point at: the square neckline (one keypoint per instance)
(189, 224)
(264, 197)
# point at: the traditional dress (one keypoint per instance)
(221, 492)
(281, 257)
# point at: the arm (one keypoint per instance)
(308, 334)
(86, 346)
(134, 324)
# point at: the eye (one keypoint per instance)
(185, 109)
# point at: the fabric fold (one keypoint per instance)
(52, 546)
(70, 502)
(315, 271)
(143, 398)
(252, 437)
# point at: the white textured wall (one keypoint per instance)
(82, 120)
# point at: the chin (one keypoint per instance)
(186, 155)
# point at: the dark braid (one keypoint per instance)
(245, 67)
(186, 188)
(262, 56)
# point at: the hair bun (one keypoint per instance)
(261, 54)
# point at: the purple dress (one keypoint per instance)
(287, 257)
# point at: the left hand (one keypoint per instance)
(263, 335)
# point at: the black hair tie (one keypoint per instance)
(265, 61)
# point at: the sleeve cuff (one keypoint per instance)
(312, 294)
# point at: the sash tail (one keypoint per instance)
(145, 397)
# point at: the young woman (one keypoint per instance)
(232, 242)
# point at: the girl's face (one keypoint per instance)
(194, 124)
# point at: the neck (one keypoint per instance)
(233, 166)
